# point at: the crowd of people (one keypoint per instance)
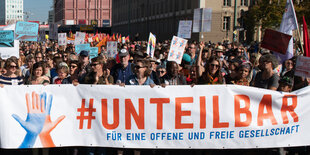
(202, 64)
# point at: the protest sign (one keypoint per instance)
(62, 38)
(6, 52)
(151, 45)
(79, 38)
(93, 52)
(26, 31)
(177, 49)
(185, 29)
(81, 47)
(42, 35)
(7, 38)
(276, 41)
(207, 20)
(197, 20)
(175, 117)
(302, 68)
(112, 49)
(53, 31)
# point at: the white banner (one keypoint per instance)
(177, 49)
(111, 49)
(185, 29)
(303, 66)
(62, 38)
(151, 45)
(79, 38)
(178, 117)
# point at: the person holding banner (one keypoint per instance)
(38, 75)
(141, 76)
(11, 76)
(99, 74)
(212, 73)
(172, 77)
(122, 71)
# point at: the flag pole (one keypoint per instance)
(302, 48)
(298, 32)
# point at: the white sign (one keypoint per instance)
(69, 22)
(111, 49)
(177, 49)
(302, 68)
(197, 20)
(175, 117)
(207, 20)
(7, 52)
(79, 38)
(53, 31)
(151, 45)
(62, 38)
(42, 35)
(185, 29)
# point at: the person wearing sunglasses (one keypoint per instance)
(11, 76)
(267, 78)
(212, 72)
(142, 72)
(100, 74)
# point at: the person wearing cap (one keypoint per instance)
(84, 65)
(123, 70)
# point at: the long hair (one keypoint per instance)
(217, 74)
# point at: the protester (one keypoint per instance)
(37, 75)
(99, 74)
(172, 77)
(212, 73)
(267, 78)
(141, 76)
(11, 77)
(124, 69)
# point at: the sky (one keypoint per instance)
(38, 9)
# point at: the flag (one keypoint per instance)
(103, 42)
(288, 24)
(276, 41)
(127, 39)
(306, 39)
(113, 37)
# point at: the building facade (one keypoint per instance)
(139, 17)
(51, 16)
(83, 12)
(11, 11)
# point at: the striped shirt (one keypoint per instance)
(11, 81)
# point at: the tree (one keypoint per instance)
(268, 14)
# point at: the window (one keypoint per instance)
(226, 23)
(226, 2)
(244, 2)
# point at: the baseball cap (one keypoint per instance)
(123, 53)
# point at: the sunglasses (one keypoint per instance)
(92, 65)
(73, 66)
(215, 65)
(138, 67)
(11, 66)
(161, 71)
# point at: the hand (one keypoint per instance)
(163, 85)
(34, 121)
(193, 84)
(152, 85)
(201, 45)
(45, 137)
(122, 84)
